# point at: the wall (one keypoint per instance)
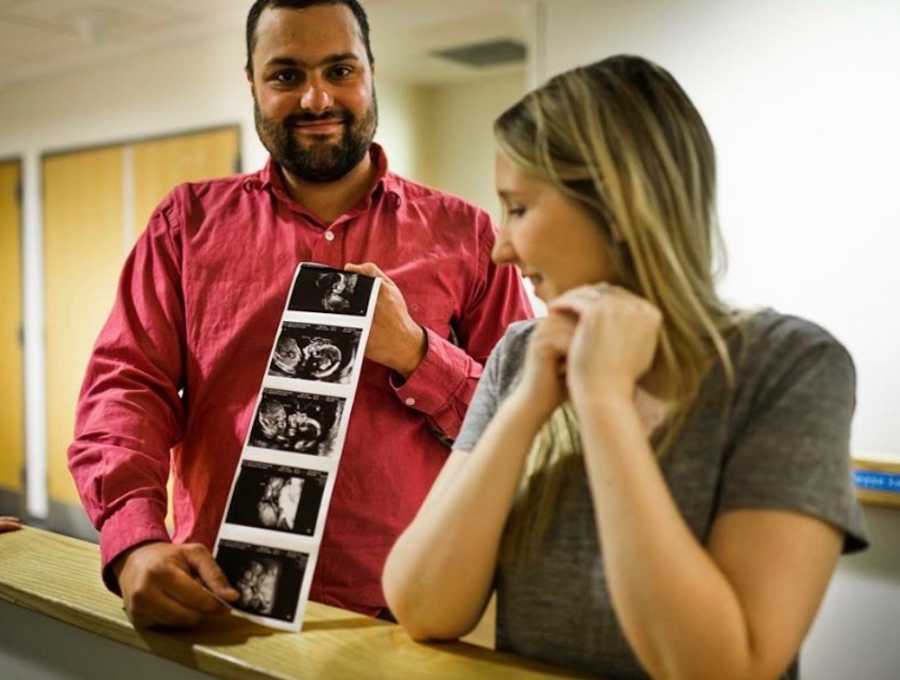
(802, 101)
(458, 148)
(197, 85)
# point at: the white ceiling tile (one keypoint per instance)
(48, 35)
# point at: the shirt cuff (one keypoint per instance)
(140, 520)
(438, 378)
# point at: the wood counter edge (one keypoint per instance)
(118, 627)
(99, 612)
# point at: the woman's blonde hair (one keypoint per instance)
(621, 139)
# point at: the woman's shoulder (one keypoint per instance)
(772, 344)
(768, 333)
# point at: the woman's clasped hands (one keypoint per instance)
(597, 342)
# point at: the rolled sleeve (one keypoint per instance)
(441, 387)
(141, 520)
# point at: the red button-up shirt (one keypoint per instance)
(176, 370)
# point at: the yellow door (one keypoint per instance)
(12, 440)
(161, 164)
(83, 255)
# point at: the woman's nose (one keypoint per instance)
(503, 251)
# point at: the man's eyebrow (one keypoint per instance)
(332, 59)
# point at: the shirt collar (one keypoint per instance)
(385, 182)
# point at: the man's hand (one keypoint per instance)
(163, 584)
(395, 341)
(9, 524)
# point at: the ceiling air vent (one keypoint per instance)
(491, 53)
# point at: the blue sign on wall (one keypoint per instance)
(877, 481)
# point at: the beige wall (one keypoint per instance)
(456, 144)
(801, 99)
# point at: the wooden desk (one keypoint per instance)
(59, 577)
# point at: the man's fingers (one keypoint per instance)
(203, 564)
(368, 269)
(161, 610)
(191, 594)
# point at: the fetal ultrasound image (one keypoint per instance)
(330, 291)
(315, 352)
(296, 422)
(277, 497)
(268, 579)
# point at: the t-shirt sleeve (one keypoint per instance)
(492, 386)
(793, 451)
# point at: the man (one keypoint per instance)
(179, 364)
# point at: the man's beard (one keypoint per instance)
(318, 161)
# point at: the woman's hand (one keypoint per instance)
(614, 342)
(542, 387)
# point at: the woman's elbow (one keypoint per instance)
(407, 609)
(400, 600)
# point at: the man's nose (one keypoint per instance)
(316, 98)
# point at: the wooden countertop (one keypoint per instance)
(60, 577)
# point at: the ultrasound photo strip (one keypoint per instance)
(270, 534)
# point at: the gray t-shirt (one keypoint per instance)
(780, 440)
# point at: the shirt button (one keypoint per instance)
(410, 402)
(329, 236)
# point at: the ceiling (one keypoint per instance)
(48, 37)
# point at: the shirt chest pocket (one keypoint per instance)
(438, 320)
(431, 295)
(432, 312)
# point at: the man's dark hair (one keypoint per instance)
(260, 5)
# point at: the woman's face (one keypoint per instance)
(551, 239)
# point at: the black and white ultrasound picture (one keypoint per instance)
(330, 291)
(277, 497)
(315, 352)
(268, 579)
(296, 422)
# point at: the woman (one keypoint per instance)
(655, 484)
